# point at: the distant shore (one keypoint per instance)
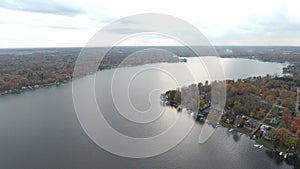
(22, 69)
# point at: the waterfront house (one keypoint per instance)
(265, 128)
(267, 136)
(238, 122)
(229, 120)
(251, 123)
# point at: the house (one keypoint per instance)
(224, 112)
(274, 120)
(268, 136)
(250, 123)
(238, 122)
(265, 128)
(229, 120)
(245, 117)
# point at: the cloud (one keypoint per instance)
(66, 27)
(127, 26)
(277, 21)
(127, 30)
(222, 22)
(280, 26)
(38, 6)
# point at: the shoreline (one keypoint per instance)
(259, 142)
(263, 129)
(69, 78)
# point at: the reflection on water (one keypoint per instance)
(236, 136)
(279, 160)
(274, 156)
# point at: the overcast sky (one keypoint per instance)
(68, 23)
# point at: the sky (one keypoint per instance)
(71, 23)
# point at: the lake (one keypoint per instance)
(40, 129)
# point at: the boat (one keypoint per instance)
(179, 108)
(281, 153)
(218, 125)
(256, 145)
(231, 130)
(285, 155)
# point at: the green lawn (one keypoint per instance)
(226, 125)
(264, 142)
(240, 129)
(243, 130)
(268, 122)
(269, 144)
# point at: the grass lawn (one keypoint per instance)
(226, 125)
(240, 129)
(269, 144)
(268, 122)
(264, 142)
(243, 130)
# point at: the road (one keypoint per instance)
(297, 101)
(269, 112)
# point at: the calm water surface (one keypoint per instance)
(39, 129)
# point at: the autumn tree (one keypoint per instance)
(270, 98)
(282, 135)
(293, 127)
(272, 133)
(286, 117)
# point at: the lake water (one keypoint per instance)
(40, 129)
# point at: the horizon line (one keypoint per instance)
(222, 45)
